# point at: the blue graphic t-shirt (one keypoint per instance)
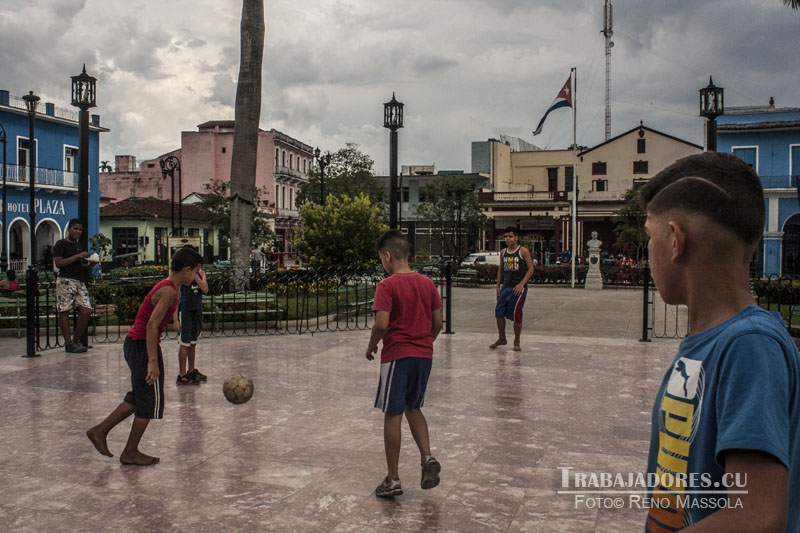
(734, 386)
(191, 298)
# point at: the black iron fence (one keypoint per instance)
(307, 300)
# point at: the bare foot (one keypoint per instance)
(137, 458)
(99, 441)
(498, 342)
(517, 347)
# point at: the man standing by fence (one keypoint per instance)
(71, 292)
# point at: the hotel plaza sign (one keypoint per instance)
(43, 207)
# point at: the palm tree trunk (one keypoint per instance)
(245, 136)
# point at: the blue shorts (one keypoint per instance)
(148, 400)
(509, 305)
(402, 384)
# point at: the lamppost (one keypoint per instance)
(169, 165)
(3, 256)
(323, 161)
(32, 282)
(712, 105)
(393, 120)
(460, 192)
(84, 97)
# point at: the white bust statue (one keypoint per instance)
(594, 243)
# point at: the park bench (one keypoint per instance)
(222, 307)
(12, 311)
(466, 276)
(355, 299)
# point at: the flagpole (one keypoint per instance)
(574, 75)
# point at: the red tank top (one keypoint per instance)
(139, 329)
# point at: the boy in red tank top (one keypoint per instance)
(142, 351)
(408, 317)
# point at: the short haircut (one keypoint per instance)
(512, 230)
(186, 257)
(11, 275)
(73, 221)
(718, 186)
(395, 243)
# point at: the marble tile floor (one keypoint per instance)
(306, 453)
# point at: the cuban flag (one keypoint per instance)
(564, 99)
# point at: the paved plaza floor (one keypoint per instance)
(306, 453)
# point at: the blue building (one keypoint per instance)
(768, 138)
(56, 175)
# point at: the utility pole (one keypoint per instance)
(608, 32)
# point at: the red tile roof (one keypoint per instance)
(152, 208)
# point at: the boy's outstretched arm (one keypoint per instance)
(378, 329)
(436, 322)
(202, 281)
(763, 508)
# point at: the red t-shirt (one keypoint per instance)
(139, 329)
(410, 299)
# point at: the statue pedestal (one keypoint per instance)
(594, 279)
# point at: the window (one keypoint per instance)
(223, 149)
(69, 158)
(133, 192)
(160, 193)
(291, 160)
(283, 197)
(404, 194)
(552, 179)
(600, 185)
(568, 178)
(23, 155)
(276, 196)
(192, 232)
(640, 146)
(151, 165)
(125, 240)
(304, 165)
(640, 167)
(276, 156)
(283, 158)
(599, 168)
(748, 154)
(291, 198)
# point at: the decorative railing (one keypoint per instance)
(521, 196)
(778, 182)
(43, 176)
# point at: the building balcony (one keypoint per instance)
(778, 182)
(522, 196)
(287, 213)
(48, 177)
(288, 172)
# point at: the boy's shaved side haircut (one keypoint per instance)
(186, 257)
(512, 230)
(718, 186)
(395, 242)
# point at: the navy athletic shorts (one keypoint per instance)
(147, 399)
(402, 384)
(509, 304)
(191, 326)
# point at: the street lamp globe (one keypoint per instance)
(712, 102)
(84, 90)
(393, 114)
(31, 101)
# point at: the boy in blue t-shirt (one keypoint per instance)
(189, 321)
(725, 434)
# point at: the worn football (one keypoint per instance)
(238, 388)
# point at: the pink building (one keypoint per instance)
(205, 155)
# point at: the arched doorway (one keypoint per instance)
(790, 262)
(18, 245)
(47, 234)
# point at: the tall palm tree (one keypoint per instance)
(245, 136)
(794, 4)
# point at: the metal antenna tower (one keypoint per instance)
(608, 32)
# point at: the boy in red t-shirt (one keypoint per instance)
(142, 350)
(408, 317)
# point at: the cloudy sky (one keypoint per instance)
(466, 70)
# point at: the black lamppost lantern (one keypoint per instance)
(84, 97)
(393, 120)
(32, 281)
(169, 165)
(712, 105)
(323, 161)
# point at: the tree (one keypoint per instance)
(218, 202)
(245, 135)
(343, 232)
(794, 4)
(101, 244)
(630, 229)
(439, 205)
(105, 166)
(349, 173)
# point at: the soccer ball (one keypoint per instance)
(238, 388)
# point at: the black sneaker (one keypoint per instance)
(75, 347)
(186, 379)
(196, 374)
(389, 488)
(430, 473)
